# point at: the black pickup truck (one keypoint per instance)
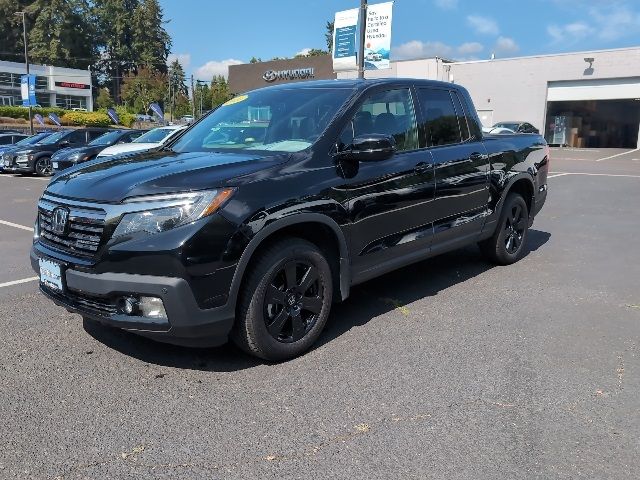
(269, 209)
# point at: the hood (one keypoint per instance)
(111, 181)
(67, 153)
(128, 148)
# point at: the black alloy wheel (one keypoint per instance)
(515, 226)
(507, 244)
(284, 301)
(44, 167)
(293, 301)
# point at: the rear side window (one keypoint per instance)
(5, 140)
(440, 119)
(79, 136)
(94, 134)
(462, 119)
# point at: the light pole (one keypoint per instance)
(363, 36)
(26, 60)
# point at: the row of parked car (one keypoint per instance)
(48, 152)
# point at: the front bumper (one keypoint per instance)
(94, 296)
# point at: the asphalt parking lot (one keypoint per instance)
(451, 368)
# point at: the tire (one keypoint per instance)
(507, 244)
(43, 167)
(284, 302)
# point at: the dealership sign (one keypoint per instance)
(82, 86)
(377, 43)
(28, 90)
(291, 74)
(345, 29)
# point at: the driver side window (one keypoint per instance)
(387, 113)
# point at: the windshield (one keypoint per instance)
(510, 126)
(156, 135)
(278, 120)
(107, 139)
(31, 140)
(53, 138)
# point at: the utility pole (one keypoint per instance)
(193, 99)
(26, 61)
(363, 32)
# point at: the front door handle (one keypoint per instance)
(421, 168)
(476, 157)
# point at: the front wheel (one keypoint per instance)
(507, 244)
(43, 167)
(285, 302)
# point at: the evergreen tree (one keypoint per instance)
(177, 78)
(11, 42)
(104, 99)
(151, 42)
(219, 91)
(328, 36)
(62, 33)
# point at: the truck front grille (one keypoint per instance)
(82, 235)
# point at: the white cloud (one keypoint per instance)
(506, 46)
(483, 25)
(418, 49)
(570, 33)
(211, 68)
(304, 51)
(446, 4)
(470, 48)
(183, 58)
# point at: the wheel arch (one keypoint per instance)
(316, 228)
(521, 184)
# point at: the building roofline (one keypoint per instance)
(564, 54)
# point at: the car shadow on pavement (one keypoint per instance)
(369, 300)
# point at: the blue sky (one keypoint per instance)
(208, 35)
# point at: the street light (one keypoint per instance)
(26, 58)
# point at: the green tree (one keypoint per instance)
(219, 91)
(328, 36)
(151, 42)
(314, 52)
(255, 60)
(177, 78)
(11, 43)
(142, 89)
(62, 33)
(104, 99)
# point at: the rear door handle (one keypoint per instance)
(422, 167)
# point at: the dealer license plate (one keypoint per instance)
(55, 165)
(50, 274)
(7, 163)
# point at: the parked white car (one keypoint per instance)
(147, 141)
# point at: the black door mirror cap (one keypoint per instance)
(372, 147)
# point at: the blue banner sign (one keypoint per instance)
(113, 115)
(28, 90)
(38, 118)
(155, 108)
(55, 119)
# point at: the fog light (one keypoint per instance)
(152, 307)
(129, 305)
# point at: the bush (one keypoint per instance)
(87, 119)
(22, 112)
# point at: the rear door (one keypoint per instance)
(388, 201)
(461, 167)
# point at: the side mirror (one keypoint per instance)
(65, 143)
(372, 147)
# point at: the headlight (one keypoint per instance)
(22, 158)
(164, 212)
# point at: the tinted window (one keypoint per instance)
(462, 119)
(79, 136)
(5, 140)
(93, 134)
(387, 113)
(441, 121)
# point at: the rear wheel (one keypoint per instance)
(285, 302)
(507, 244)
(43, 167)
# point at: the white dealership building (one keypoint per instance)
(55, 86)
(581, 99)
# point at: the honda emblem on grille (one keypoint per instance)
(59, 220)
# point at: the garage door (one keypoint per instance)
(594, 113)
(606, 89)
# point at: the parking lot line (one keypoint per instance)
(17, 282)
(15, 225)
(617, 155)
(560, 174)
(26, 177)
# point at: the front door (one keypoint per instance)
(387, 201)
(461, 168)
